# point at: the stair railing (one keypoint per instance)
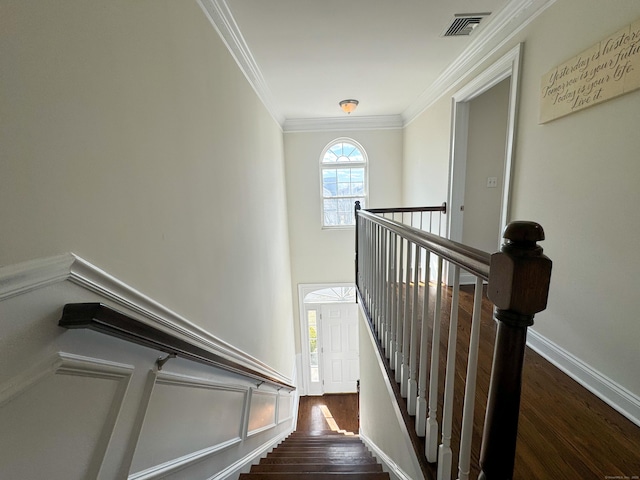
(389, 258)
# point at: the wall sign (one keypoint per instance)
(608, 69)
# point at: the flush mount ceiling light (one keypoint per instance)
(348, 106)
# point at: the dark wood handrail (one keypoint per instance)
(471, 259)
(441, 208)
(104, 319)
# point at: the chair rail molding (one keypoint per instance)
(35, 274)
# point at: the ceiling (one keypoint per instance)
(304, 56)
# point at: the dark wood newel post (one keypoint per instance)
(355, 216)
(518, 286)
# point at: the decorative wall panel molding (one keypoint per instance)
(113, 415)
(187, 419)
(64, 364)
(285, 407)
(64, 407)
(262, 411)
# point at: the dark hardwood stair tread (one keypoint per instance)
(331, 461)
(316, 467)
(312, 447)
(318, 456)
(316, 476)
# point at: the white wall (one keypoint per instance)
(578, 177)
(326, 255)
(381, 424)
(426, 157)
(130, 137)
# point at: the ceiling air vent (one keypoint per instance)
(463, 24)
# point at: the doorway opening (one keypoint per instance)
(483, 223)
(329, 338)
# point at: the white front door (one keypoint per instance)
(339, 335)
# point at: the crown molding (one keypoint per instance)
(506, 23)
(220, 16)
(373, 122)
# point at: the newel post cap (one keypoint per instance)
(520, 273)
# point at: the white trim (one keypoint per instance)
(289, 398)
(182, 462)
(232, 470)
(390, 465)
(504, 25)
(34, 274)
(220, 16)
(187, 381)
(67, 364)
(507, 23)
(274, 423)
(612, 393)
(177, 379)
(31, 275)
(63, 363)
(507, 66)
(343, 124)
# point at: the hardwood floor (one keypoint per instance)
(342, 408)
(565, 432)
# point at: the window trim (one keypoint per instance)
(364, 164)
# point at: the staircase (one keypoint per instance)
(318, 455)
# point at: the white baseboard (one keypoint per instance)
(382, 457)
(615, 395)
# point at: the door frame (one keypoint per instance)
(505, 67)
(303, 290)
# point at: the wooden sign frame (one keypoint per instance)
(607, 70)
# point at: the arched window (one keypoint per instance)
(343, 173)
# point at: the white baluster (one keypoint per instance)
(408, 349)
(421, 405)
(404, 330)
(382, 289)
(399, 325)
(376, 274)
(464, 462)
(396, 318)
(389, 295)
(431, 441)
(445, 454)
(412, 388)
